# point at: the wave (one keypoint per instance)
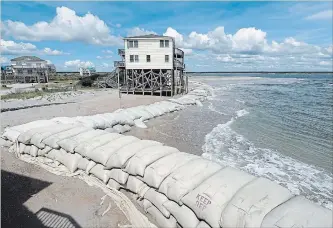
(229, 148)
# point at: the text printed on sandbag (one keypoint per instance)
(202, 202)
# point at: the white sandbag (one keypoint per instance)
(113, 184)
(138, 123)
(136, 186)
(5, 143)
(69, 160)
(101, 154)
(154, 111)
(42, 152)
(184, 216)
(69, 144)
(158, 200)
(13, 133)
(110, 130)
(53, 154)
(252, 203)
(53, 139)
(202, 224)
(198, 103)
(123, 119)
(33, 150)
(130, 114)
(160, 169)
(144, 115)
(100, 122)
(121, 128)
(37, 139)
(90, 145)
(86, 121)
(90, 165)
(26, 149)
(25, 137)
(120, 157)
(118, 175)
(143, 203)
(99, 172)
(210, 198)
(160, 219)
(298, 212)
(138, 163)
(22, 148)
(187, 177)
(110, 118)
(64, 120)
(83, 163)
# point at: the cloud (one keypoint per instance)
(3, 60)
(49, 51)
(78, 63)
(226, 58)
(8, 47)
(99, 57)
(65, 26)
(118, 25)
(107, 51)
(325, 63)
(104, 57)
(322, 15)
(136, 31)
(187, 51)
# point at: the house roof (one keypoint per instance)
(146, 36)
(27, 58)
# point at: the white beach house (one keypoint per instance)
(151, 64)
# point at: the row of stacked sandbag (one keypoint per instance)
(177, 189)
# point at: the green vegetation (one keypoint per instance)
(36, 93)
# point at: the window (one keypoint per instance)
(148, 58)
(29, 71)
(164, 43)
(131, 58)
(166, 58)
(136, 58)
(20, 71)
(133, 44)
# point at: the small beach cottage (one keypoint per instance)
(151, 64)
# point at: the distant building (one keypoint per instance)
(151, 64)
(28, 69)
(87, 71)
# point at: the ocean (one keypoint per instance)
(280, 126)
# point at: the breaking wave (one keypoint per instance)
(229, 148)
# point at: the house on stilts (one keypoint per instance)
(150, 65)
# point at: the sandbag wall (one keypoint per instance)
(177, 189)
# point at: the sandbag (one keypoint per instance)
(160, 219)
(187, 177)
(118, 175)
(25, 137)
(13, 133)
(90, 145)
(138, 163)
(22, 148)
(33, 151)
(27, 149)
(252, 203)
(53, 154)
(69, 144)
(110, 130)
(64, 120)
(123, 119)
(298, 212)
(120, 157)
(85, 165)
(138, 123)
(110, 118)
(99, 172)
(37, 139)
(101, 154)
(5, 143)
(184, 216)
(69, 160)
(53, 139)
(42, 152)
(113, 184)
(160, 169)
(121, 128)
(158, 200)
(210, 198)
(136, 186)
(202, 224)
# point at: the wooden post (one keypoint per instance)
(126, 79)
(161, 87)
(133, 81)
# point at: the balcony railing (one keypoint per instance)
(119, 64)
(179, 52)
(179, 64)
(121, 51)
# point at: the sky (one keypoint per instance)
(215, 36)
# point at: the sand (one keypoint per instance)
(85, 103)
